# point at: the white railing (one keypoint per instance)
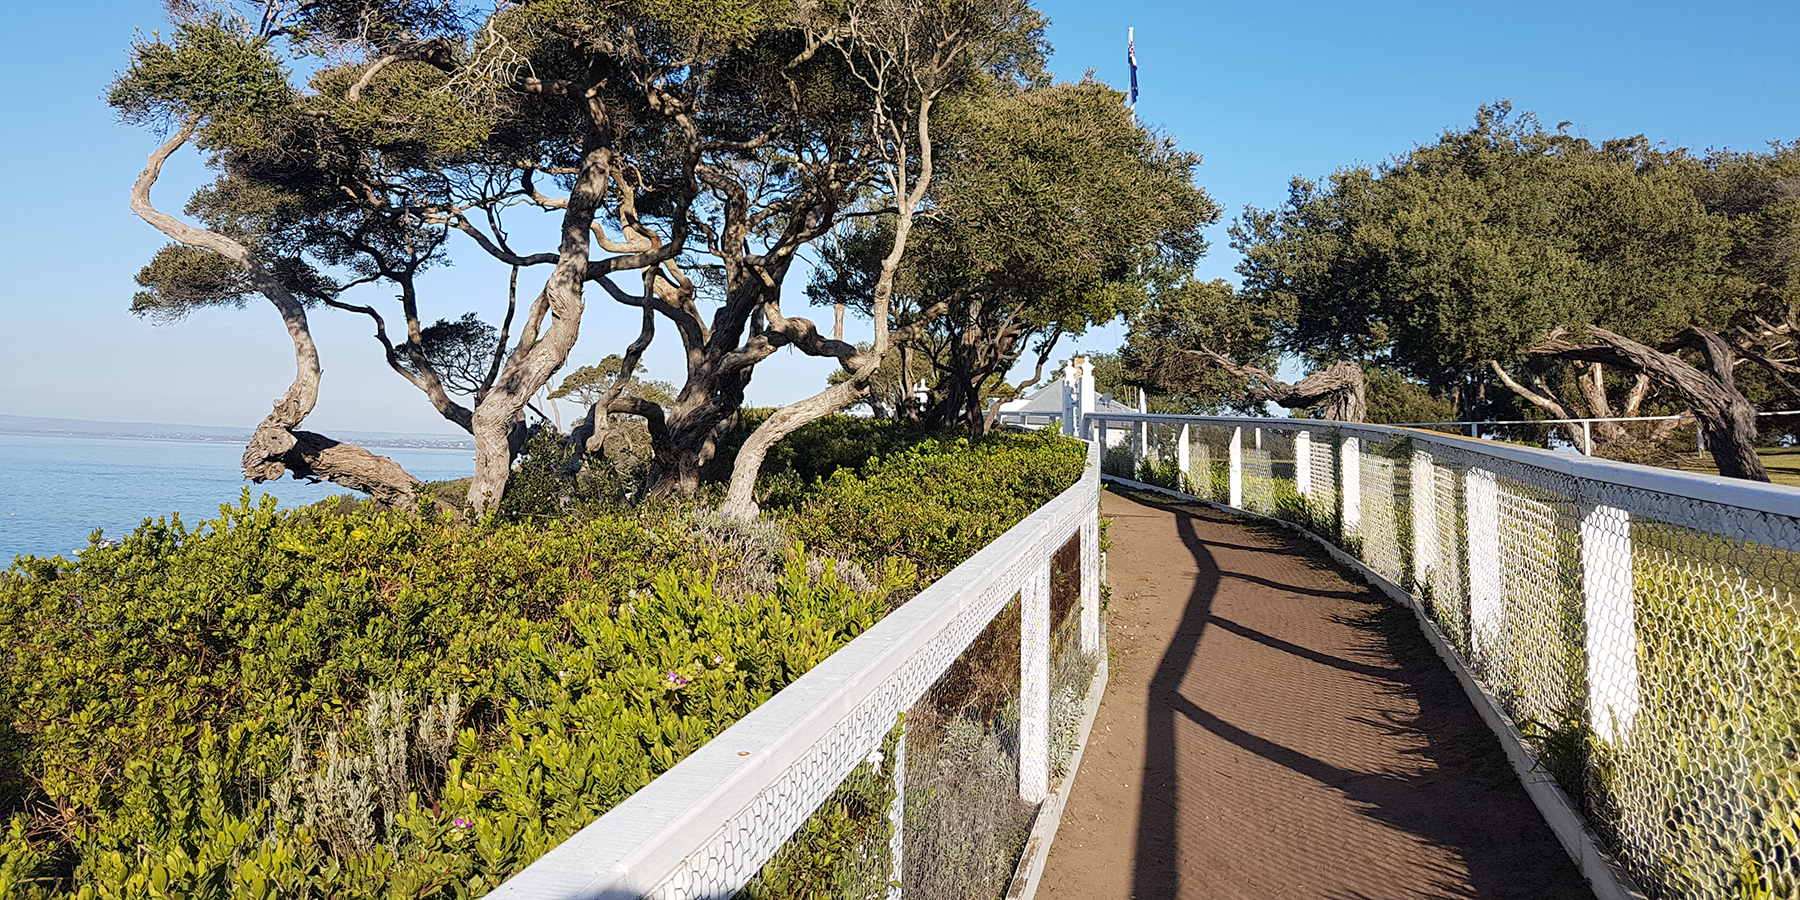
(706, 827)
(1586, 446)
(1639, 626)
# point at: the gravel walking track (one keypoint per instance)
(1272, 729)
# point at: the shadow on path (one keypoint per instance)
(1299, 738)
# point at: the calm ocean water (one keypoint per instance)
(54, 491)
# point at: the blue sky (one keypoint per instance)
(1264, 91)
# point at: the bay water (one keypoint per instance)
(55, 490)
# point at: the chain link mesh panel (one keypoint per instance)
(1534, 666)
(1200, 471)
(850, 843)
(965, 823)
(1705, 785)
(1448, 577)
(1217, 441)
(1259, 481)
(1071, 669)
(1322, 495)
(1379, 526)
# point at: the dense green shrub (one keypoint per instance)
(348, 702)
(190, 700)
(938, 501)
(838, 442)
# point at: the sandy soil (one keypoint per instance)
(1272, 730)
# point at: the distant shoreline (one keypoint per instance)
(154, 431)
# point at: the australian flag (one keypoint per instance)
(1131, 58)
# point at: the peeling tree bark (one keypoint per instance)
(276, 447)
(1338, 389)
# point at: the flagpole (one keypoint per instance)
(1131, 63)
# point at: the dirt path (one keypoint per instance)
(1272, 730)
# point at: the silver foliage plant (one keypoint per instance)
(358, 777)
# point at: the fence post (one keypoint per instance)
(1236, 496)
(1071, 399)
(1183, 459)
(1481, 492)
(1303, 463)
(897, 819)
(1610, 617)
(1424, 518)
(1350, 473)
(1143, 428)
(1034, 683)
(1090, 580)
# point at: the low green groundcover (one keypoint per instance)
(362, 704)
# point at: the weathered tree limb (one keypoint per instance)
(499, 358)
(436, 52)
(276, 448)
(1544, 400)
(1726, 417)
(591, 435)
(1037, 374)
(908, 191)
(1763, 346)
(1339, 389)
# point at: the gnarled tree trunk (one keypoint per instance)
(538, 356)
(1338, 390)
(277, 447)
(1726, 417)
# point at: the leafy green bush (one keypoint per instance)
(839, 442)
(350, 702)
(1163, 473)
(939, 501)
(189, 701)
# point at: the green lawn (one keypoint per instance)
(1783, 464)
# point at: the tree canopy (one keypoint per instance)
(1054, 212)
(692, 149)
(1512, 256)
(1471, 248)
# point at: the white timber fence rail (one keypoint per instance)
(1631, 633)
(707, 827)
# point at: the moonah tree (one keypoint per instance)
(1535, 259)
(1053, 212)
(696, 148)
(363, 174)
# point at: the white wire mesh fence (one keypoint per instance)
(910, 763)
(1640, 627)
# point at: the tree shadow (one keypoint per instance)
(1433, 792)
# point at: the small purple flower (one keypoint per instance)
(462, 822)
(718, 660)
(675, 679)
